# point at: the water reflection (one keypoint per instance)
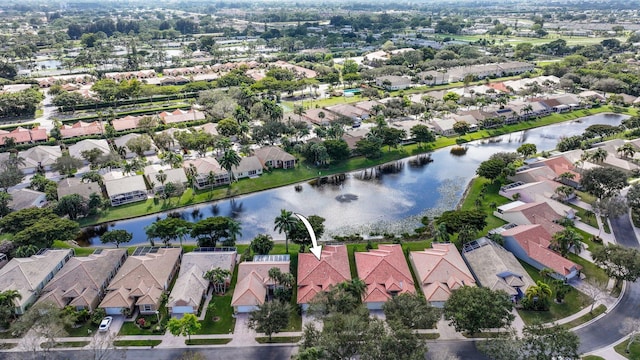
(391, 200)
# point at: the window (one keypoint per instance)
(147, 308)
(252, 172)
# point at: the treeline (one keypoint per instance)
(107, 26)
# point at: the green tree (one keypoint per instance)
(369, 147)
(603, 182)
(565, 240)
(285, 222)
(422, 134)
(116, 237)
(72, 205)
(66, 164)
(261, 244)
(166, 229)
(45, 230)
(299, 234)
(47, 321)
(219, 278)
(618, 262)
(472, 309)
(210, 230)
(550, 342)
(538, 296)
(491, 169)
(228, 127)
(10, 172)
(229, 160)
(461, 127)
(139, 145)
(411, 311)
(337, 150)
(456, 219)
(8, 302)
(186, 325)
(527, 150)
(271, 317)
(633, 196)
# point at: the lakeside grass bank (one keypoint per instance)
(303, 172)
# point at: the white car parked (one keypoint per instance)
(105, 324)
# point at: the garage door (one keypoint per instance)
(182, 310)
(113, 311)
(246, 309)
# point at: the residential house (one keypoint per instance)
(249, 166)
(76, 149)
(142, 280)
(126, 190)
(319, 116)
(530, 243)
(539, 191)
(349, 111)
(433, 77)
(83, 281)
(440, 270)
(207, 170)
(254, 284)
(393, 82)
(27, 198)
(174, 176)
(73, 185)
(386, 273)
(82, 128)
(496, 268)
(191, 288)
(315, 276)
(30, 275)
(540, 213)
(444, 126)
(21, 135)
(275, 157)
(126, 123)
(302, 73)
(178, 116)
(4, 260)
(39, 157)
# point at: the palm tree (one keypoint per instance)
(440, 233)
(162, 177)
(355, 287)
(566, 239)
(218, 278)
(627, 150)
(229, 159)
(235, 229)
(285, 222)
(539, 295)
(598, 156)
(181, 232)
(564, 191)
(8, 302)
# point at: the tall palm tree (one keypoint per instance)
(229, 159)
(539, 294)
(8, 302)
(355, 287)
(566, 239)
(627, 150)
(218, 278)
(598, 156)
(235, 229)
(162, 178)
(285, 222)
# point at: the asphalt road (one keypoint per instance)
(608, 329)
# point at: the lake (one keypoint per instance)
(392, 202)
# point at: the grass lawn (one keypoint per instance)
(483, 335)
(600, 309)
(573, 302)
(592, 357)
(7, 346)
(586, 238)
(137, 342)
(68, 344)
(303, 172)
(278, 339)
(79, 251)
(429, 336)
(207, 341)
(634, 350)
(591, 270)
(223, 313)
(490, 197)
(87, 329)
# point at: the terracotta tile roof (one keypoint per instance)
(315, 276)
(560, 165)
(535, 241)
(181, 116)
(384, 267)
(443, 266)
(82, 128)
(126, 123)
(539, 213)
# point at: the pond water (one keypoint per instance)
(392, 202)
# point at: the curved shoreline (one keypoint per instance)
(395, 155)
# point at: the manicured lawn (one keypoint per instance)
(429, 336)
(207, 341)
(85, 330)
(68, 344)
(591, 357)
(600, 309)
(573, 302)
(487, 199)
(279, 339)
(591, 270)
(634, 350)
(137, 342)
(225, 322)
(79, 251)
(586, 238)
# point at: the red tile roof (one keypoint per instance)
(560, 165)
(535, 241)
(315, 276)
(81, 128)
(384, 270)
(22, 135)
(540, 213)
